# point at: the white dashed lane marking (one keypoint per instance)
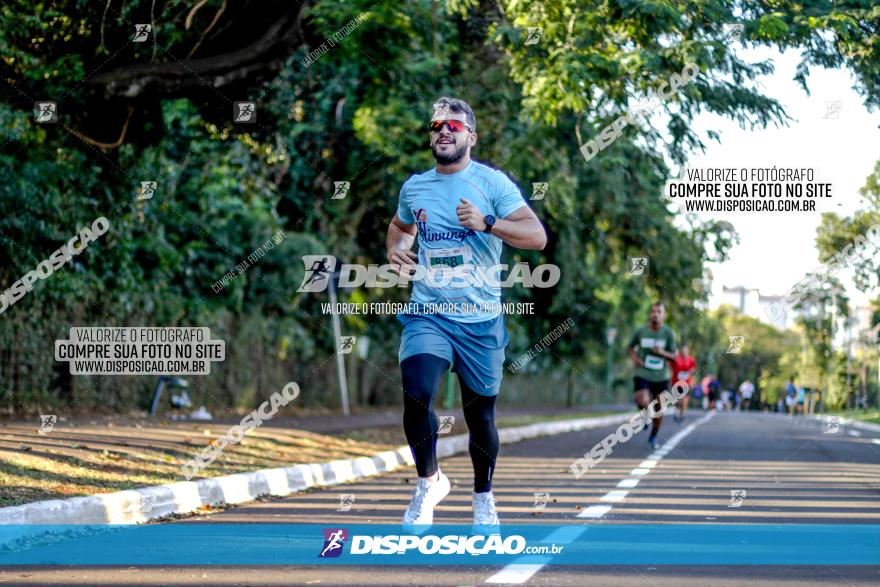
(519, 573)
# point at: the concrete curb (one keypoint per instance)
(150, 503)
(863, 425)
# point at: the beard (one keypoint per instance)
(453, 157)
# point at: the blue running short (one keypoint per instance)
(474, 349)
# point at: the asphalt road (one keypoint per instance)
(791, 470)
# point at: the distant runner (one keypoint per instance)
(711, 388)
(462, 212)
(683, 368)
(746, 389)
(651, 348)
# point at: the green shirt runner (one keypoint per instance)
(655, 367)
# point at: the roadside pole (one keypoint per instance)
(337, 335)
(610, 336)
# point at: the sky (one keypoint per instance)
(777, 249)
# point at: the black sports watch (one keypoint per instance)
(489, 220)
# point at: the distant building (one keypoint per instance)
(751, 302)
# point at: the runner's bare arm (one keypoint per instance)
(520, 229)
(398, 242)
(635, 358)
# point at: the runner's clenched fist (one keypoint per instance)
(470, 216)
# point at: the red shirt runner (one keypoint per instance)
(682, 369)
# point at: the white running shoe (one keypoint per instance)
(485, 515)
(425, 497)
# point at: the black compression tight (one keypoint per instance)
(421, 378)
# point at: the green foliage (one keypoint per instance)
(358, 114)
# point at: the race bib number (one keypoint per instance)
(448, 258)
(682, 375)
(654, 363)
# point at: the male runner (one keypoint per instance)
(746, 389)
(656, 347)
(461, 211)
(683, 368)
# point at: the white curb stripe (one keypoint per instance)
(124, 507)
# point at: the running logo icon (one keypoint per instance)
(45, 112)
(47, 423)
(736, 344)
(446, 423)
(148, 188)
(334, 540)
(441, 112)
(341, 188)
(541, 499)
(737, 497)
(539, 190)
(832, 109)
(244, 112)
(832, 425)
(638, 266)
(346, 344)
(534, 35)
(732, 31)
(143, 506)
(345, 502)
(319, 268)
(141, 32)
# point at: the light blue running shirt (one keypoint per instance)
(429, 201)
